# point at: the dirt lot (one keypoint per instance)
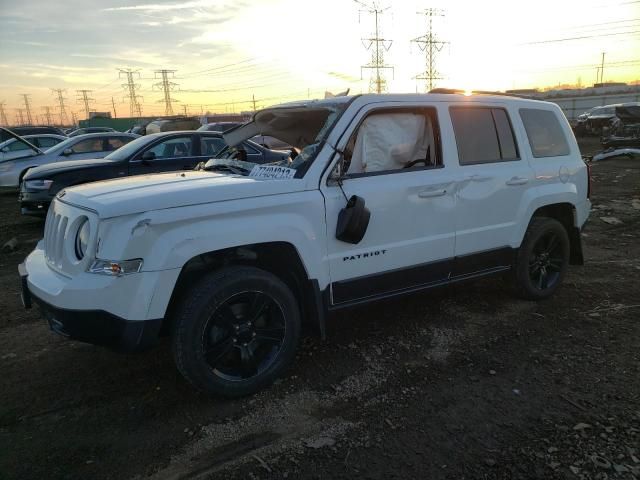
(456, 383)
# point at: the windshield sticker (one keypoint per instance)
(272, 172)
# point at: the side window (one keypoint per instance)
(47, 142)
(209, 146)
(87, 146)
(544, 132)
(18, 146)
(483, 135)
(393, 140)
(172, 148)
(114, 143)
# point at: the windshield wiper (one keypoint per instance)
(228, 168)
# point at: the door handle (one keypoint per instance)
(517, 181)
(432, 193)
(477, 178)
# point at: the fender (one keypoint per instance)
(167, 239)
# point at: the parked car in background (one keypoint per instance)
(36, 130)
(84, 131)
(172, 125)
(14, 148)
(266, 141)
(92, 145)
(219, 126)
(158, 152)
(599, 118)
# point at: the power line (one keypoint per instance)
(166, 86)
(378, 45)
(131, 86)
(582, 37)
(27, 107)
(85, 100)
(431, 45)
(61, 99)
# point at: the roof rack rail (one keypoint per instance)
(473, 92)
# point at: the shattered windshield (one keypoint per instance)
(304, 128)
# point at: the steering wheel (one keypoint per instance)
(424, 160)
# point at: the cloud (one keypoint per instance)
(166, 7)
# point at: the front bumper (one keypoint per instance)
(123, 313)
(34, 203)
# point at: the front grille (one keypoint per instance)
(55, 230)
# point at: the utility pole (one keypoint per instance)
(3, 115)
(431, 45)
(184, 110)
(85, 100)
(602, 69)
(27, 106)
(378, 46)
(74, 118)
(61, 99)
(47, 114)
(254, 102)
(113, 103)
(166, 86)
(131, 86)
(19, 117)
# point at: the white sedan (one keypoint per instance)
(93, 145)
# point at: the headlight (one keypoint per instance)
(116, 268)
(37, 185)
(82, 239)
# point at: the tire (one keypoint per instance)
(236, 331)
(542, 259)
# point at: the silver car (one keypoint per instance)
(13, 148)
(92, 145)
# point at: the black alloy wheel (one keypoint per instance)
(542, 259)
(546, 261)
(244, 335)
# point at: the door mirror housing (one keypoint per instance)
(67, 151)
(353, 221)
(148, 156)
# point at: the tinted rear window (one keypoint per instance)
(544, 132)
(483, 135)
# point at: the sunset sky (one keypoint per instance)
(225, 52)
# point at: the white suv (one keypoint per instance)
(389, 194)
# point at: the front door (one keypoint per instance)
(393, 160)
(168, 155)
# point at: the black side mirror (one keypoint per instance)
(67, 151)
(148, 156)
(353, 221)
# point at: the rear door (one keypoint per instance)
(493, 181)
(169, 154)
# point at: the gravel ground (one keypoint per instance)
(464, 382)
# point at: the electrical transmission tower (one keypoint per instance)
(83, 97)
(166, 86)
(27, 107)
(74, 118)
(3, 115)
(47, 114)
(134, 99)
(19, 116)
(378, 46)
(61, 99)
(431, 45)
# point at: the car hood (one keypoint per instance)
(59, 167)
(142, 193)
